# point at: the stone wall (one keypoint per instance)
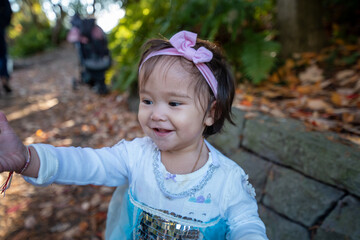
(307, 183)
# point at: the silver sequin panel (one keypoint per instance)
(155, 227)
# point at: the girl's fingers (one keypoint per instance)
(3, 121)
(2, 117)
(5, 128)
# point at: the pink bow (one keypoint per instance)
(184, 42)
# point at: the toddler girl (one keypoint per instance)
(171, 184)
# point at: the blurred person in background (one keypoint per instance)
(5, 13)
(94, 55)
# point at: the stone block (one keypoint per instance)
(297, 197)
(279, 228)
(255, 167)
(343, 222)
(323, 156)
(228, 141)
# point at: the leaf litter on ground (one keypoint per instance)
(45, 109)
(322, 92)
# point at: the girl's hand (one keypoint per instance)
(13, 153)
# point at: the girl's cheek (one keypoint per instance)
(144, 113)
(141, 115)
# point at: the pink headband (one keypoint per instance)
(183, 43)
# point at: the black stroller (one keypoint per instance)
(94, 55)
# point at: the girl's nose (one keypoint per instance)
(158, 114)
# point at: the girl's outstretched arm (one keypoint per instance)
(13, 153)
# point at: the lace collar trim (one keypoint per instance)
(161, 176)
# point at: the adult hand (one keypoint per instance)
(13, 153)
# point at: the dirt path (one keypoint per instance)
(44, 108)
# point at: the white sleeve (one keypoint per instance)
(241, 210)
(81, 166)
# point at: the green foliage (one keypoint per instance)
(126, 40)
(224, 21)
(32, 41)
(351, 59)
(30, 30)
(258, 56)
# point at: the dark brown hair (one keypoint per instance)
(218, 66)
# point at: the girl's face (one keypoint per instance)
(170, 111)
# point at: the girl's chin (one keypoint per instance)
(163, 147)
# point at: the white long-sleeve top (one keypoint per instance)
(219, 192)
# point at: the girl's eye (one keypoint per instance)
(174, 104)
(147, 102)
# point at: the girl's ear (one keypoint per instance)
(210, 115)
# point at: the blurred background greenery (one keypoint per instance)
(257, 35)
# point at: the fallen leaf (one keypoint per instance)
(274, 78)
(348, 117)
(351, 129)
(322, 124)
(250, 115)
(292, 80)
(317, 104)
(308, 55)
(311, 75)
(100, 216)
(60, 227)
(309, 88)
(341, 75)
(351, 47)
(289, 63)
(39, 133)
(277, 113)
(246, 103)
(83, 226)
(337, 99)
(353, 96)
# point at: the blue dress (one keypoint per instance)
(139, 221)
(214, 202)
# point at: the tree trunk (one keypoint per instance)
(55, 36)
(33, 15)
(300, 26)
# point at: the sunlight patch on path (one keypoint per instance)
(36, 107)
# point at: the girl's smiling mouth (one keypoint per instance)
(161, 131)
